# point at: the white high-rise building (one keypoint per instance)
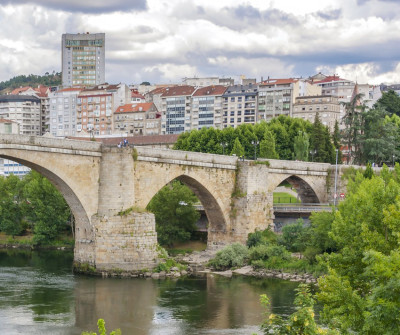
(83, 59)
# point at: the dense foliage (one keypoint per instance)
(283, 137)
(48, 79)
(32, 204)
(101, 325)
(174, 212)
(372, 135)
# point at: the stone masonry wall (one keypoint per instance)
(125, 242)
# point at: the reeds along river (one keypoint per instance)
(40, 295)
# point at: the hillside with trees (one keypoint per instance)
(33, 80)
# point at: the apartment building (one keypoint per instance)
(176, 109)
(327, 107)
(95, 108)
(83, 59)
(239, 105)
(8, 167)
(137, 119)
(277, 96)
(63, 112)
(208, 81)
(42, 93)
(207, 107)
(23, 109)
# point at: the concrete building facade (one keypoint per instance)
(327, 107)
(63, 112)
(240, 105)
(208, 81)
(137, 119)
(83, 59)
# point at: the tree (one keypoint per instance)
(102, 329)
(237, 148)
(175, 214)
(336, 141)
(295, 236)
(301, 146)
(45, 208)
(356, 293)
(267, 146)
(301, 322)
(390, 101)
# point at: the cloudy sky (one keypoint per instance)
(162, 41)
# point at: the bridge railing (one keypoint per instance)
(302, 208)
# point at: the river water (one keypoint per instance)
(40, 295)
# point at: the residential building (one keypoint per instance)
(42, 93)
(176, 109)
(63, 112)
(137, 119)
(95, 108)
(393, 87)
(155, 96)
(207, 107)
(277, 96)
(239, 105)
(136, 97)
(208, 81)
(23, 109)
(327, 107)
(8, 167)
(83, 59)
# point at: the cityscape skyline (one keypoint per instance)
(165, 42)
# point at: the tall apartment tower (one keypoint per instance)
(83, 59)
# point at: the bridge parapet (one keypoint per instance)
(48, 144)
(178, 157)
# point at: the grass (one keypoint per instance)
(186, 247)
(285, 198)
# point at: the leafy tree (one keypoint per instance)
(267, 146)
(355, 293)
(174, 212)
(295, 236)
(237, 148)
(45, 208)
(301, 145)
(390, 101)
(301, 322)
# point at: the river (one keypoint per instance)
(40, 295)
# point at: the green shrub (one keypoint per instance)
(233, 255)
(264, 252)
(266, 236)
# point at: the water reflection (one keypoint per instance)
(39, 295)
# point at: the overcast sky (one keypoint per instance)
(163, 41)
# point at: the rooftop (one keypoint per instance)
(178, 91)
(134, 107)
(211, 90)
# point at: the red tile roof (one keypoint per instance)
(134, 107)
(329, 79)
(137, 95)
(159, 90)
(211, 90)
(7, 121)
(20, 89)
(178, 91)
(69, 89)
(279, 81)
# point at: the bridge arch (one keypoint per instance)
(303, 186)
(215, 215)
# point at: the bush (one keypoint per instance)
(264, 252)
(266, 236)
(233, 255)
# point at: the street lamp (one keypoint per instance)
(255, 143)
(393, 160)
(313, 152)
(224, 144)
(335, 195)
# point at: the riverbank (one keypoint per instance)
(26, 242)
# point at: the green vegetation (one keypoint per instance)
(33, 205)
(277, 139)
(233, 255)
(284, 198)
(175, 214)
(32, 80)
(102, 329)
(301, 322)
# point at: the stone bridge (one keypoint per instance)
(108, 188)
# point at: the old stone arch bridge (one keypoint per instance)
(107, 189)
